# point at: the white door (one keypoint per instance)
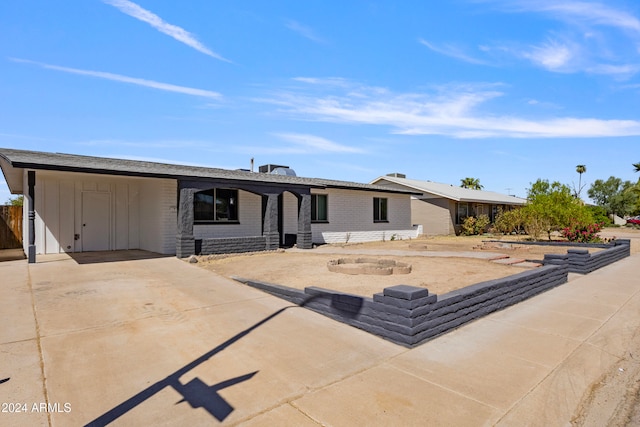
(96, 221)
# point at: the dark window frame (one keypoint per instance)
(460, 218)
(220, 200)
(380, 209)
(315, 211)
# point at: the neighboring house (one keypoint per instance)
(441, 208)
(80, 203)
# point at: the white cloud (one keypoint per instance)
(125, 79)
(586, 12)
(596, 39)
(552, 55)
(179, 34)
(304, 31)
(450, 111)
(314, 144)
(452, 51)
(615, 70)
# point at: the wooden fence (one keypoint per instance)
(10, 227)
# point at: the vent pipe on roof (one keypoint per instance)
(252, 164)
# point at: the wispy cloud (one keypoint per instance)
(304, 31)
(597, 39)
(587, 12)
(453, 52)
(457, 111)
(315, 144)
(552, 55)
(125, 79)
(178, 33)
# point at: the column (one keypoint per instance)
(185, 242)
(31, 197)
(303, 240)
(270, 230)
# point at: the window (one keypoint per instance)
(319, 208)
(379, 209)
(463, 212)
(216, 205)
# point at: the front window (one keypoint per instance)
(379, 209)
(319, 207)
(463, 212)
(215, 205)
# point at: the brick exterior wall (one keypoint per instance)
(231, 245)
(249, 216)
(350, 216)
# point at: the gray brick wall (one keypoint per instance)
(409, 315)
(227, 245)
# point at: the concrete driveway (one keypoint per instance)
(132, 339)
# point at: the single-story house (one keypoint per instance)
(79, 203)
(441, 208)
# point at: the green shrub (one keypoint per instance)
(600, 216)
(472, 226)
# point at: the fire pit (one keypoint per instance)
(381, 267)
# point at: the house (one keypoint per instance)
(79, 203)
(441, 208)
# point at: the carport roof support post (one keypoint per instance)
(31, 183)
(185, 242)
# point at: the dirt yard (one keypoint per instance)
(438, 274)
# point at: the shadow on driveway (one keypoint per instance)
(113, 256)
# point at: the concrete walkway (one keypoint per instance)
(157, 341)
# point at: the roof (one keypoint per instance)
(11, 160)
(458, 194)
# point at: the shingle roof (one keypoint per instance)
(102, 165)
(453, 192)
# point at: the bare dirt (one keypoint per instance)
(438, 274)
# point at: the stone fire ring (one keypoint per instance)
(381, 267)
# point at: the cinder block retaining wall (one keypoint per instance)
(227, 245)
(409, 315)
(581, 261)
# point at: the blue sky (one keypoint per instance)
(507, 91)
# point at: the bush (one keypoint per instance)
(472, 226)
(583, 234)
(508, 222)
(600, 216)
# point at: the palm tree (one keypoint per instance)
(472, 183)
(637, 166)
(580, 169)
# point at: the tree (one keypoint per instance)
(637, 166)
(580, 169)
(616, 196)
(552, 207)
(16, 201)
(472, 183)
